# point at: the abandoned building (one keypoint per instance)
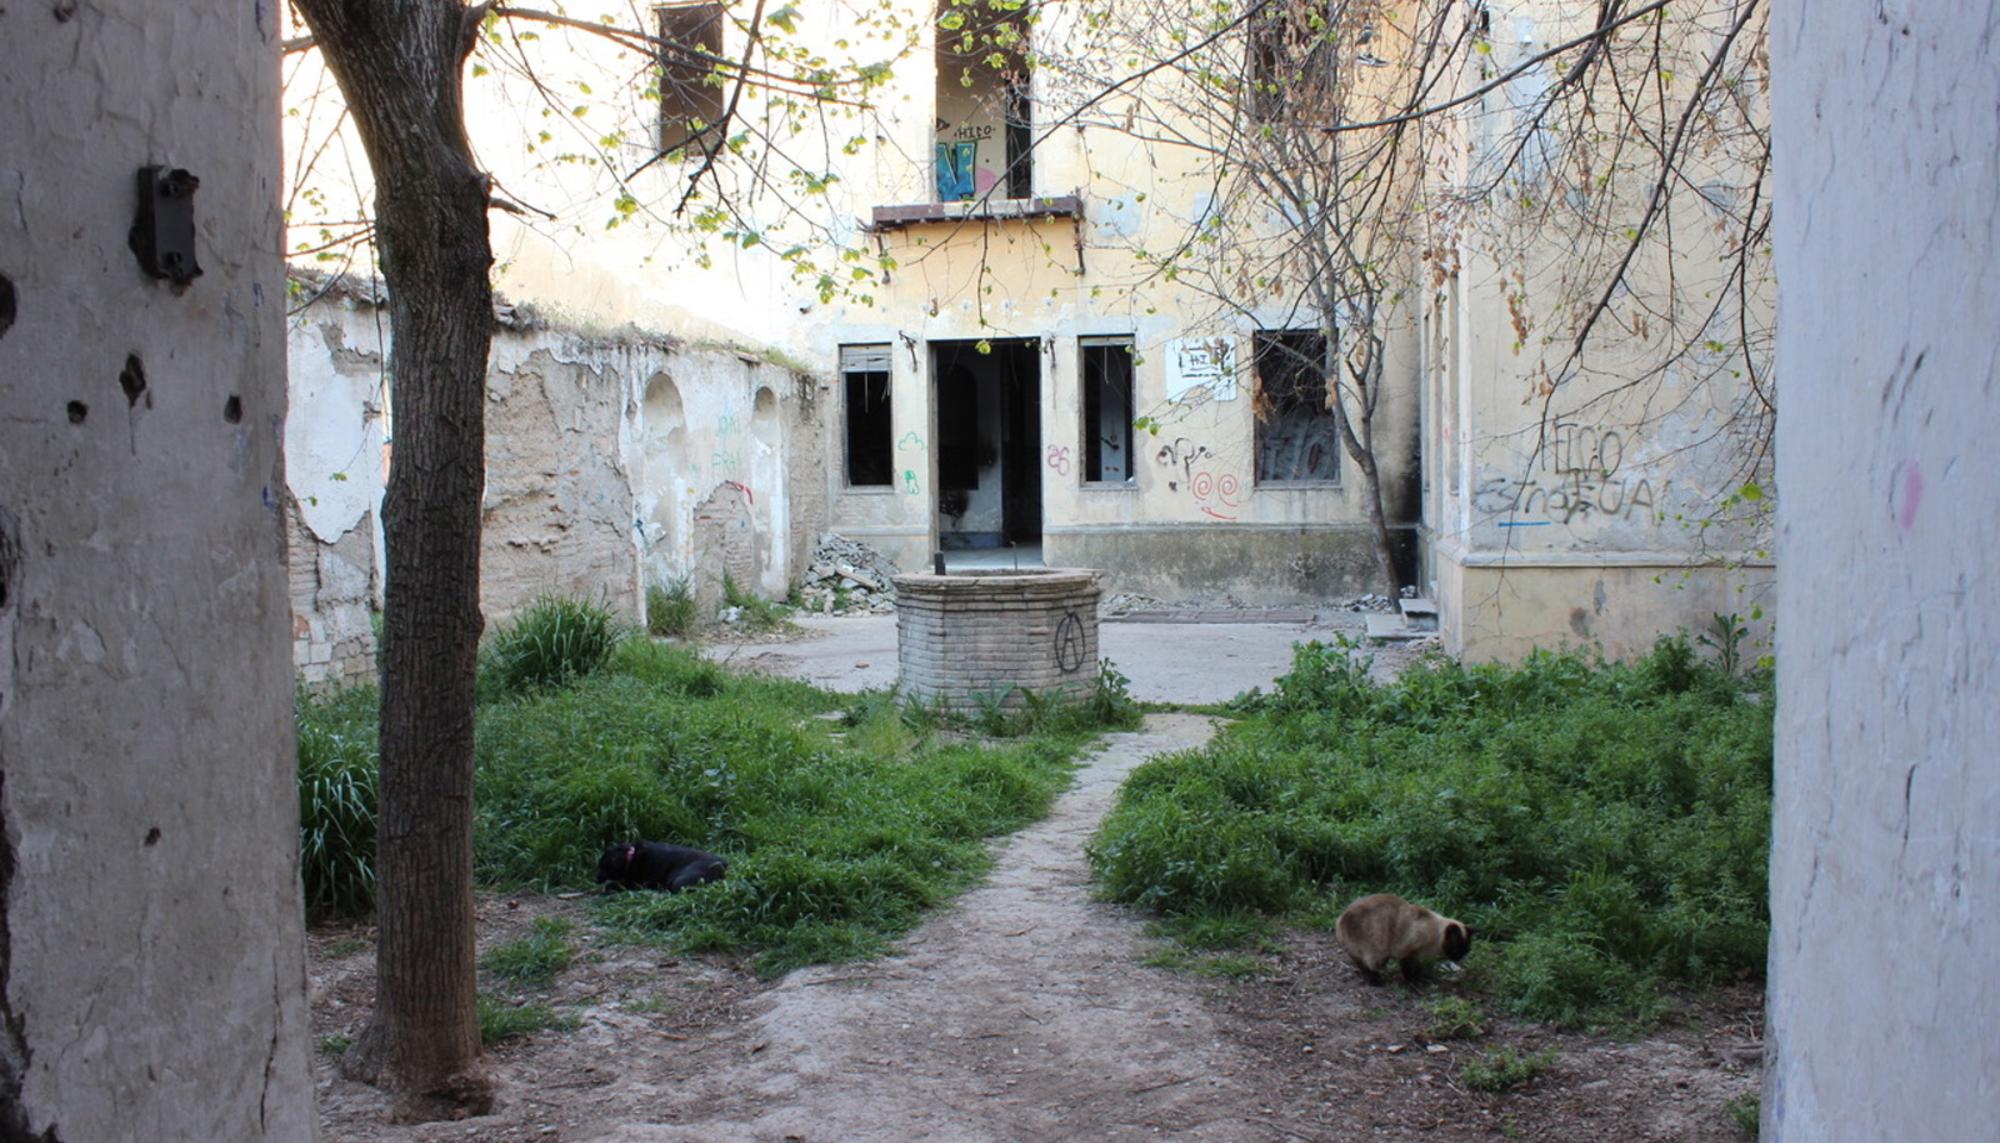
(1011, 365)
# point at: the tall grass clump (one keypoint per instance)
(556, 641)
(671, 609)
(756, 612)
(834, 847)
(1603, 828)
(337, 779)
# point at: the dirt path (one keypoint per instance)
(1020, 1013)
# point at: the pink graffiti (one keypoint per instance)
(1222, 490)
(1058, 458)
(744, 489)
(1912, 495)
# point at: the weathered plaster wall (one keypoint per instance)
(334, 470)
(614, 461)
(1632, 464)
(1883, 1019)
(152, 981)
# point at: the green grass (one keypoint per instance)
(336, 770)
(1745, 1111)
(335, 1046)
(1504, 1069)
(500, 1021)
(844, 819)
(1602, 828)
(1455, 1018)
(532, 961)
(556, 641)
(671, 609)
(758, 613)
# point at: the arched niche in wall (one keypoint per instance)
(661, 495)
(767, 477)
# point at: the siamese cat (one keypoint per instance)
(1384, 927)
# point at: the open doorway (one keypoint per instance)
(989, 440)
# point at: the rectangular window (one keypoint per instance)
(690, 99)
(864, 370)
(1290, 58)
(1298, 438)
(1107, 410)
(985, 123)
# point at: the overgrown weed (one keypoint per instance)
(556, 641)
(840, 833)
(671, 609)
(1603, 828)
(1504, 1069)
(756, 612)
(337, 776)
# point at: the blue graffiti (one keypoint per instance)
(955, 164)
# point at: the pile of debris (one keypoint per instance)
(847, 576)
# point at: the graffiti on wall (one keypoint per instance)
(1580, 474)
(1182, 454)
(1058, 459)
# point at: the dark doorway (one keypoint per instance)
(989, 440)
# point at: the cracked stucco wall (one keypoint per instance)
(152, 946)
(334, 470)
(613, 461)
(1884, 1022)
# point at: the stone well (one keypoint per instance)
(966, 637)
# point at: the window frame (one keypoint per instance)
(685, 95)
(857, 363)
(1088, 439)
(1258, 340)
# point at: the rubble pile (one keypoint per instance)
(847, 575)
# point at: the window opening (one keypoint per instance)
(1107, 410)
(864, 372)
(690, 96)
(1298, 438)
(985, 130)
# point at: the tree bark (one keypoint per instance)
(399, 63)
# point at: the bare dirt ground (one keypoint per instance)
(1023, 1012)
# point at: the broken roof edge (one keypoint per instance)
(306, 286)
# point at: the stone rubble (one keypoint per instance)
(841, 567)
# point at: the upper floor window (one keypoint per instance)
(984, 120)
(690, 96)
(1290, 64)
(1298, 437)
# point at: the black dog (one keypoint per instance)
(655, 865)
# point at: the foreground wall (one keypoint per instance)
(1883, 1019)
(152, 980)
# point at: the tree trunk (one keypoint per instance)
(399, 64)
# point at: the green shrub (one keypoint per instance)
(670, 609)
(556, 641)
(337, 781)
(1455, 1018)
(532, 961)
(1604, 829)
(1503, 1069)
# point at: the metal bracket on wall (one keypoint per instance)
(163, 233)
